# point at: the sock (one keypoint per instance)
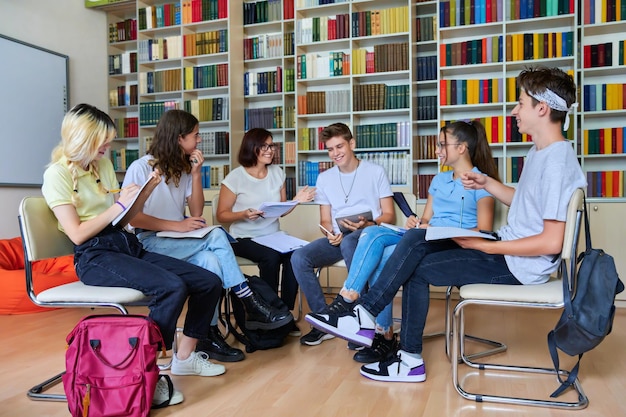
(242, 290)
(412, 355)
(347, 300)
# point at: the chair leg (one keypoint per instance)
(496, 347)
(38, 392)
(458, 349)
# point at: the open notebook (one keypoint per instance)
(137, 204)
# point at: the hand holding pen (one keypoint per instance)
(253, 214)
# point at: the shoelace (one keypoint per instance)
(202, 360)
(339, 306)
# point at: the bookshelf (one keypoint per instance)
(188, 56)
(353, 66)
(269, 78)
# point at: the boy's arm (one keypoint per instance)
(388, 214)
(475, 181)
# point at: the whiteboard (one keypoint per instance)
(34, 86)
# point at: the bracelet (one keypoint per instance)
(121, 205)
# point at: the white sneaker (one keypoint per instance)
(196, 364)
(353, 324)
(401, 368)
(162, 393)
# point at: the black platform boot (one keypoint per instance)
(216, 347)
(259, 315)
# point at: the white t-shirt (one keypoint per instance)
(549, 178)
(250, 193)
(365, 186)
(167, 201)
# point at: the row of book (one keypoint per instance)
(213, 175)
(602, 11)
(204, 43)
(427, 68)
(122, 31)
(383, 135)
(291, 187)
(316, 102)
(159, 16)
(426, 28)
(214, 143)
(514, 167)
(605, 184)
(290, 152)
(309, 138)
(370, 97)
(123, 95)
(208, 109)
(262, 82)
(381, 58)
(322, 65)
(159, 81)
(601, 55)
(476, 51)
(123, 157)
(397, 165)
(454, 92)
(267, 118)
(203, 10)
(267, 11)
(421, 183)
(302, 4)
(427, 108)
(610, 140)
(267, 45)
(308, 171)
(127, 127)
(525, 46)
(206, 76)
(597, 97)
(168, 47)
(322, 29)
(380, 22)
(124, 63)
(150, 113)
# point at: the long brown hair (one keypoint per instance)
(473, 134)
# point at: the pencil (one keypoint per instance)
(117, 190)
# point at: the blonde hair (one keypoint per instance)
(84, 130)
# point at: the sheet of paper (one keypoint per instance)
(280, 241)
(276, 209)
(435, 233)
(397, 229)
(198, 233)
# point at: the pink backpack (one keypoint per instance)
(111, 366)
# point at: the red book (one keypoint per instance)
(485, 91)
(488, 16)
(616, 188)
(442, 55)
(601, 134)
(508, 128)
(443, 88)
(619, 135)
(484, 51)
(587, 54)
(601, 55)
(495, 132)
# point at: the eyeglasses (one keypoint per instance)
(268, 147)
(444, 144)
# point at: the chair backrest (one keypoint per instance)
(41, 236)
(571, 237)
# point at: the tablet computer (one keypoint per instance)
(355, 218)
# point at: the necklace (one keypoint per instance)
(351, 185)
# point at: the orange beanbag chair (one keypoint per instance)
(46, 274)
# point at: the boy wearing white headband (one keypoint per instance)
(524, 254)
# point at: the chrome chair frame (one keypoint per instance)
(543, 296)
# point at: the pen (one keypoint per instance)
(117, 190)
(325, 230)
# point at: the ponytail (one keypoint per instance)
(473, 134)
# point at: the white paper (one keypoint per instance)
(136, 205)
(399, 230)
(277, 208)
(280, 241)
(198, 233)
(435, 233)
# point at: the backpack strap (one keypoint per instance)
(170, 388)
(572, 375)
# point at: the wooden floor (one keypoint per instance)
(324, 380)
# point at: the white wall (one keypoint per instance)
(66, 27)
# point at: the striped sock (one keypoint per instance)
(242, 290)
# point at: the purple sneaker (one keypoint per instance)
(400, 368)
(355, 325)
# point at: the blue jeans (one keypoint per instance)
(115, 258)
(316, 254)
(415, 265)
(376, 244)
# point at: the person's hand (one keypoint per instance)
(362, 223)
(305, 195)
(128, 194)
(253, 214)
(477, 243)
(412, 222)
(334, 240)
(196, 159)
(473, 180)
(191, 223)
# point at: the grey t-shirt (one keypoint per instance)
(548, 180)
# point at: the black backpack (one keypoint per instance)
(588, 317)
(258, 339)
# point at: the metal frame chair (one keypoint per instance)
(544, 296)
(42, 240)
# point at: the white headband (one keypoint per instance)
(555, 102)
